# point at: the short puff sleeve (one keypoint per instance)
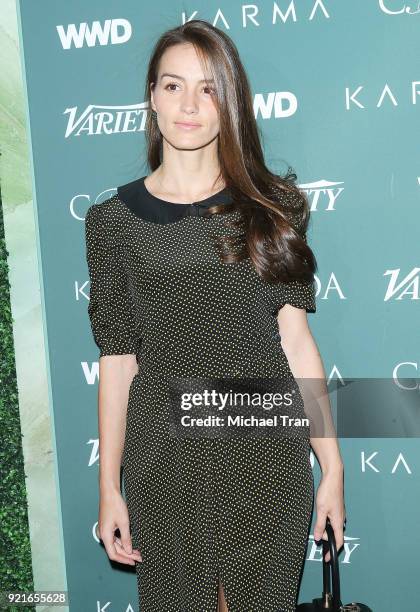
(300, 294)
(111, 308)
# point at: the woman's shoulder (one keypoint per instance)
(105, 222)
(130, 201)
(107, 213)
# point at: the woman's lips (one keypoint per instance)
(187, 126)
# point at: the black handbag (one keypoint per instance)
(330, 600)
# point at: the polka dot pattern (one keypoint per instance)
(201, 510)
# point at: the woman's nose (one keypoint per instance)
(189, 103)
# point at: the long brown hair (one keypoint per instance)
(274, 211)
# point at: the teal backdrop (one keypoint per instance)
(336, 94)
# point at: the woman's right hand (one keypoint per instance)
(113, 514)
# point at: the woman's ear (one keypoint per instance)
(152, 102)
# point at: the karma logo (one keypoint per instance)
(400, 464)
(251, 16)
(110, 32)
(386, 96)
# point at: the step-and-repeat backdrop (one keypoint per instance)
(336, 93)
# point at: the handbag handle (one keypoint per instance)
(333, 564)
(331, 600)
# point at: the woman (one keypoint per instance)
(201, 270)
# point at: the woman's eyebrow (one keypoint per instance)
(177, 76)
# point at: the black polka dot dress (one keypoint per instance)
(205, 509)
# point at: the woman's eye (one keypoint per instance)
(210, 90)
(170, 84)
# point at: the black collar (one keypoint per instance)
(151, 208)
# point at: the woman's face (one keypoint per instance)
(181, 96)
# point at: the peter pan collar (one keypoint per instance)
(151, 208)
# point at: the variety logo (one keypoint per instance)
(110, 32)
(106, 119)
(401, 287)
(320, 189)
(94, 453)
(349, 546)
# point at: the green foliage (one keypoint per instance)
(15, 559)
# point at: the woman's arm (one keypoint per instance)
(116, 373)
(305, 363)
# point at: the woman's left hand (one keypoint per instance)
(330, 503)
